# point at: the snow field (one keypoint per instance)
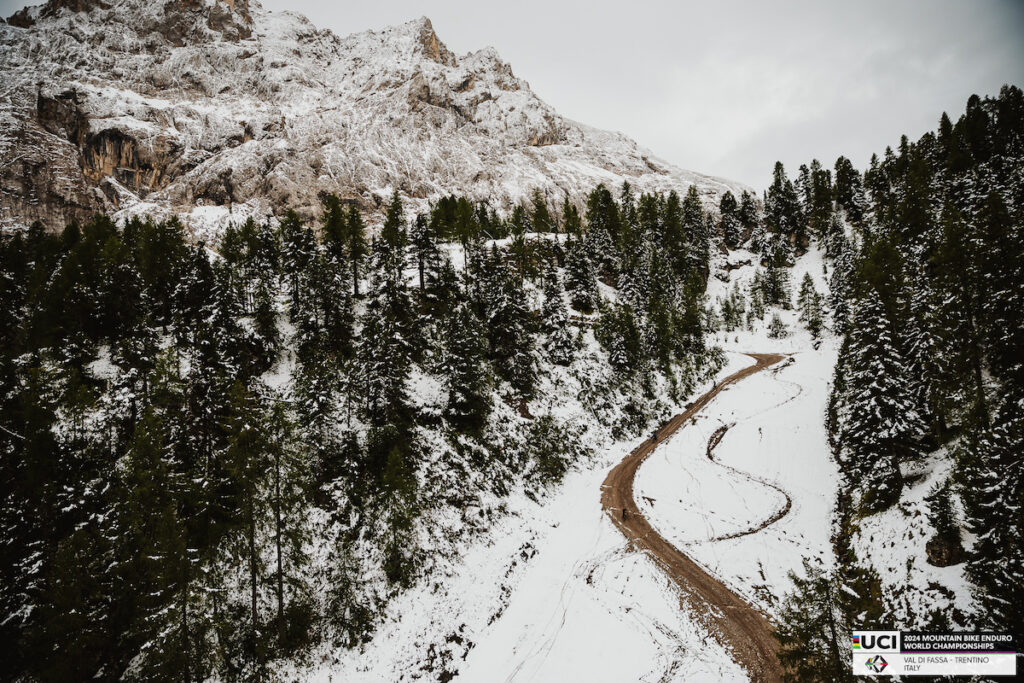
(893, 541)
(552, 592)
(549, 592)
(775, 437)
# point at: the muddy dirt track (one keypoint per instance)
(734, 623)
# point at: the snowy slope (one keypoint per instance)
(550, 592)
(772, 460)
(214, 110)
(893, 543)
(777, 433)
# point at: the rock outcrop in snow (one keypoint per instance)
(209, 109)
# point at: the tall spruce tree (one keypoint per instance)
(581, 279)
(809, 303)
(560, 342)
(812, 631)
(424, 249)
(880, 424)
(465, 371)
(782, 210)
(729, 224)
(355, 245)
(992, 459)
(509, 326)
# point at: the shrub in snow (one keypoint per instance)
(777, 329)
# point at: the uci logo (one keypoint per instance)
(876, 641)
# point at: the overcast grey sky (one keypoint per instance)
(729, 87)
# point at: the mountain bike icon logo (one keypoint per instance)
(876, 663)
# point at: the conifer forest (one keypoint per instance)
(453, 434)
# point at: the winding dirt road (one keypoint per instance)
(734, 623)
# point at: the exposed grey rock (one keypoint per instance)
(215, 110)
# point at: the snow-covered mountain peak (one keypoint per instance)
(429, 43)
(214, 110)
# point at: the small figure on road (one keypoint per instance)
(655, 436)
(624, 514)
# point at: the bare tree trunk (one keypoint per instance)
(277, 543)
(186, 644)
(976, 367)
(833, 644)
(252, 572)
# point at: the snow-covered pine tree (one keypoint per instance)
(317, 378)
(30, 505)
(540, 216)
(604, 227)
(880, 425)
(776, 328)
(385, 360)
(265, 329)
(465, 371)
(618, 332)
(334, 226)
(782, 210)
(635, 279)
(581, 278)
(167, 623)
(776, 287)
(729, 225)
(758, 239)
(398, 513)
(849, 191)
(809, 303)
(673, 237)
(697, 256)
(749, 216)
(802, 184)
(992, 463)
(507, 320)
(925, 356)
(247, 461)
(834, 237)
(734, 308)
(386, 347)
(812, 629)
(571, 218)
(329, 294)
(627, 211)
(423, 244)
(944, 547)
(298, 249)
(121, 290)
(959, 314)
(805, 295)
(840, 289)
(1003, 262)
(560, 342)
(446, 291)
(818, 207)
(355, 245)
(757, 302)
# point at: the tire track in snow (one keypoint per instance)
(731, 620)
(716, 438)
(542, 645)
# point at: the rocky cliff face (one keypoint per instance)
(215, 110)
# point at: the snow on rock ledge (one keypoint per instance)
(118, 104)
